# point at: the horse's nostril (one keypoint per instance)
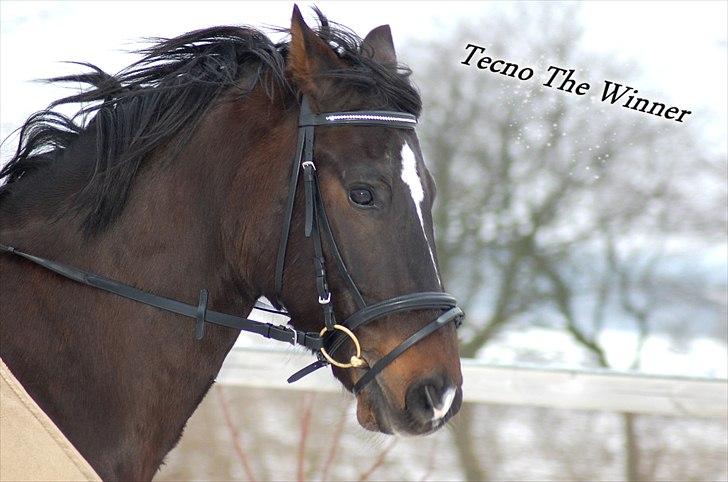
(431, 396)
(430, 399)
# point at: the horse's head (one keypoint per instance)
(377, 194)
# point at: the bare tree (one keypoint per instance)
(557, 209)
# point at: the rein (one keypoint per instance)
(333, 335)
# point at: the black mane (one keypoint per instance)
(153, 100)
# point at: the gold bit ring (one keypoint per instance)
(356, 361)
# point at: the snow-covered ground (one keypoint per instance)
(699, 357)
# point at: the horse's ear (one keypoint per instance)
(309, 55)
(379, 46)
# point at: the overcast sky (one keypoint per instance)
(679, 47)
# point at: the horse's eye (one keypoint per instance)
(362, 197)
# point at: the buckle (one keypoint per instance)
(295, 333)
(306, 164)
(201, 314)
(325, 300)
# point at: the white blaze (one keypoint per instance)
(412, 179)
(447, 399)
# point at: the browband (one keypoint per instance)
(399, 120)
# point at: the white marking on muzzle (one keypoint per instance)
(438, 412)
(412, 179)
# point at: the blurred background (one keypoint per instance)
(578, 235)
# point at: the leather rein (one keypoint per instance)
(333, 334)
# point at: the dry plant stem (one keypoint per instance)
(333, 448)
(379, 461)
(305, 432)
(242, 457)
(431, 456)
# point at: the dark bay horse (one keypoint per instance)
(176, 176)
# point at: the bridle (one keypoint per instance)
(317, 224)
(333, 334)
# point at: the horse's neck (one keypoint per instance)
(120, 378)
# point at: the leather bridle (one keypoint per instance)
(317, 224)
(333, 334)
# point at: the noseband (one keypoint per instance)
(333, 334)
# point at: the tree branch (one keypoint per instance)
(239, 451)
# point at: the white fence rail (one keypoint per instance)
(513, 385)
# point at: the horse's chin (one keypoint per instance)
(376, 414)
(368, 416)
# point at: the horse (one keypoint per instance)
(175, 176)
